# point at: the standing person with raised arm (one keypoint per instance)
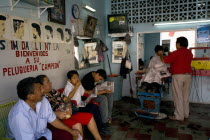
(181, 70)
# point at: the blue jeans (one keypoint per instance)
(105, 106)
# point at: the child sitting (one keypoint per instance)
(74, 91)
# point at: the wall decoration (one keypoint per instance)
(23, 54)
(19, 28)
(119, 49)
(59, 34)
(5, 27)
(47, 32)
(67, 35)
(166, 44)
(57, 13)
(80, 27)
(92, 55)
(90, 26)
(203, 35)
(35, 31)
(75, 11)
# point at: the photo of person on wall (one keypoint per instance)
(68, 35)
(18, 26)
(49, 32)
(60, 35)
(36, 31)
(2, 26)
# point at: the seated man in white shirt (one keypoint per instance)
(29, 117)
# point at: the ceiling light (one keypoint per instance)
(180, 22)
(89, 8)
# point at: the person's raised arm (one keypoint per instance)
(71, 93)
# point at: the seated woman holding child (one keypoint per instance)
(57, 100)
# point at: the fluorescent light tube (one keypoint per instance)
(181, 22)
(89, 8)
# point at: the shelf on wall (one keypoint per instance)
(83, 37)
(41, 5)
(120, 34)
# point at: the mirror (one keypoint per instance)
(85, 54)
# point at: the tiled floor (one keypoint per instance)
(127, 126)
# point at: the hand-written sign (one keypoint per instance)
(26, 57)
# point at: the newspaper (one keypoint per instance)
(108, 85)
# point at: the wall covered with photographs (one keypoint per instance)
(40, 45)
(29, 48)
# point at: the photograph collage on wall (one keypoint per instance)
(17, 28)
(32, 46)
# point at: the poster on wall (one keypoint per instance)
(203, 35)
(92, 54)
(80, 27)
(68, 35)
(119, 49)
(90, 26)
(47, 32)
(19, 28)
(166, 45)
(35, 31)
(5, 27)
(57, 13)
(58, 34)
(23, 54)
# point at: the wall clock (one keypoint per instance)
(75, 11)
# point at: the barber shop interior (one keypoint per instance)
(104, 69)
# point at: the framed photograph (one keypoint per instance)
(80, 26)
(118, 51)
(92, 54)
(166, 44)
(90, 26)
(57, 13)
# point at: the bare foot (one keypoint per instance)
(174, 118)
